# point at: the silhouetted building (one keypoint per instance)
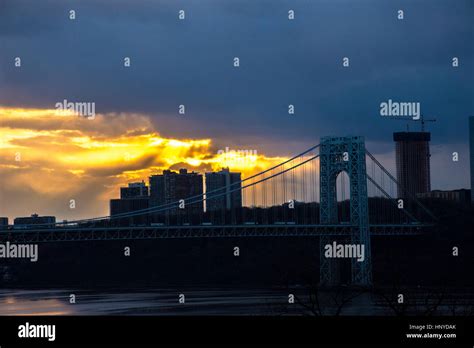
(171, 187)
(413, 162)
(134, 190)
(471, 151)
(3, 223)
(132, 198)
(34, 219)
(128, 205)
(460, 196)
(223, 190)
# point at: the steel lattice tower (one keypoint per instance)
(347, 154)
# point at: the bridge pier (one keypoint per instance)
(347, 154)
(331, 269)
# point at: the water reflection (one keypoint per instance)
(29, 304)
(140, 302)
(165, 302)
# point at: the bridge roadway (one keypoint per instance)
(74, 234)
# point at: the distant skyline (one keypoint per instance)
(138, 130)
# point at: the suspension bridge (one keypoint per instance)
(335, 191)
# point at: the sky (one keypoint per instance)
(138, 130)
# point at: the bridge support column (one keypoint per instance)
(331, 269)
(347, 154)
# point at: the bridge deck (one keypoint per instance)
(196, 231)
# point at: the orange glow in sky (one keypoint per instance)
(47, 159)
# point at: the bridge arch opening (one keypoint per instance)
(343, 197)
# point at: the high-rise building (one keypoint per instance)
(471, 151)
(171, 187)
(223, 190)
(413, 162)
(132, 198)
(128, 205)
(134, 190)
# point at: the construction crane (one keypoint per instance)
(422, 120)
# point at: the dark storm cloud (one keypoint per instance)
(299, 62)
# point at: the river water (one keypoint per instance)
(155, 302)
(273, 302)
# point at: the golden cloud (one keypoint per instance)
(47, 158)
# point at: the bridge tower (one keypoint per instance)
(347, 154)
